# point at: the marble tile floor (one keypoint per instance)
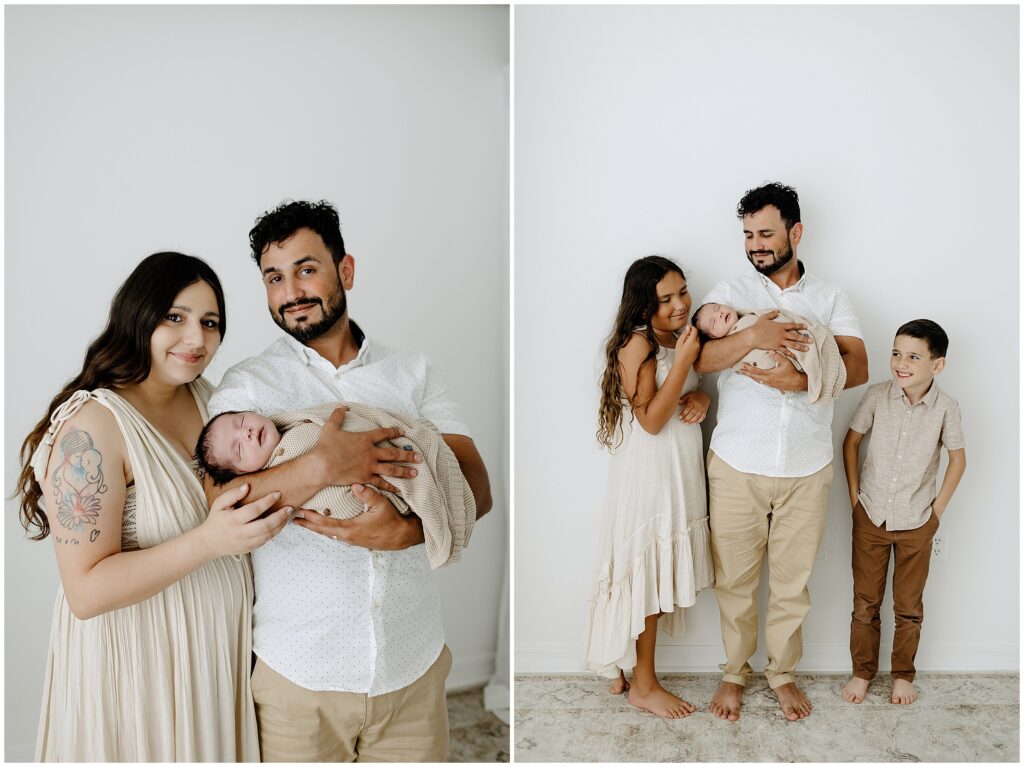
(475, 734)
(957, 718)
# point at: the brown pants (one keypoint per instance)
(753, 516)
(913, 551)
(300, 725)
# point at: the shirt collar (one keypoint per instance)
(311, 357)
(895, 392)
(798, 286)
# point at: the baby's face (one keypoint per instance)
(243, 442)
(716, 319)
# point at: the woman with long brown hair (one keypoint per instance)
(655, 543)
(150, 645)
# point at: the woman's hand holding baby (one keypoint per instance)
(230, 530)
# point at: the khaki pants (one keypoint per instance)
(300, 725)
(751, 515)
(913, 552)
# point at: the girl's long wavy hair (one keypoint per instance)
(120, 355)
(638, 306)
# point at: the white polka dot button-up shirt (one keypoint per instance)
(760, 429)
(328, 615)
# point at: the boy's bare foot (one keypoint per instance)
(855, 689)
(659, 701)
(792, 701)
(618, 686)
(726, 703)
(903, 692)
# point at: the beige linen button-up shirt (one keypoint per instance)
(897, 484)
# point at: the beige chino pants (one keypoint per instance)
(753, 515)
(300, 725)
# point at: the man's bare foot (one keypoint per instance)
(903, 692)
(659, 701)
(618, 686)
(726, 703)
(792, 701)
(855, 689)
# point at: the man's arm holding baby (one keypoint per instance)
(785, 377)
(381, 527)
(339, 458)
(721, 353)
(473, 469)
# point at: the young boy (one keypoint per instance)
(894, 501)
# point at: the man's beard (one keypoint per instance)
(782, 258)
(306, 331)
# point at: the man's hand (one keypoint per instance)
(784, 377)
(380, 527)
(694, 406)
(784, 337)
(353, 457)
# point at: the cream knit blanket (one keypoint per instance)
(439, 493)
(822, 362)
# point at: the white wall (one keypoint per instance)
(136, 129)
(637, 130)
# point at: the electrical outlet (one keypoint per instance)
(939, 547)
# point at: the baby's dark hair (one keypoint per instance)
(702, 335)
(204, 454)
(929, 332)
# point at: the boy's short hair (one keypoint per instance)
(929, 332)
(704, 337)
(204, 452)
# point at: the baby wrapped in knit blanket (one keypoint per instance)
(822, 362)
(236, 443)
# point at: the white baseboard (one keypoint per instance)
(470, 671)
(565, 658)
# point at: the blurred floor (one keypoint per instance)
(475, 735)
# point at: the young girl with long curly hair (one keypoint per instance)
(655, 553)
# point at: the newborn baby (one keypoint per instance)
(822, 362)
(237, 443)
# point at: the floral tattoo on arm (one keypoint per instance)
(78, 482)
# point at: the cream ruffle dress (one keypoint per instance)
(167, 679)
(655, 548)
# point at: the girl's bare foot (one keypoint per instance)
(726, 703)
(903, 692)
(659, 701)
(618, 686)
(855, 689)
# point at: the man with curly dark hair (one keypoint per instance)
(351, 659)
(770, 462)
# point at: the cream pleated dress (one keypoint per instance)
(167, 679)
(655, 548)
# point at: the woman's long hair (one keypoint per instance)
(638, 306)
(120, 355)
